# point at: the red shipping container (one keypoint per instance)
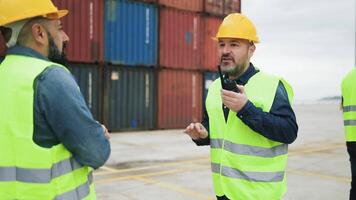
(232, 6)
(179, 98)
(214, 7)
(84, 26)
(209, 57)
(191, 5)
(179, 39)
(2, 46)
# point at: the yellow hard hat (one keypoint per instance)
(236, 25)
(15, 10)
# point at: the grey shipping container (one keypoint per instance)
(129, 98)
(89, 80)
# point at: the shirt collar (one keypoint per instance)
(243, 79)
(25, 51)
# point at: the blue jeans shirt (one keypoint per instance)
(62, 116)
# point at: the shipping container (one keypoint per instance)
(130, 33)
(148, 1)
(2, 46)
(189, 5)
(179, 39)
(84, 26)
(130, 98)
(222, 7)
(209, 78)
(232, 6)
(179, 98)
(214, 7)
(88, 77)
(209, 57)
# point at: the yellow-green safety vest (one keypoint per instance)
(246, 165)
(28, 171)
(348, 88)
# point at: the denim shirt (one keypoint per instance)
(279, 124)
(62, 116)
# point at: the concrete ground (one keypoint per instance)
(167, 164)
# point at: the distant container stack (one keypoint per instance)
(90, 83)
(130, 103)
(179, 39)
(143, 64)
(84, 26)
(130, 33)
(179, 98)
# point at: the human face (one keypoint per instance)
(234, 55)
(57, 40)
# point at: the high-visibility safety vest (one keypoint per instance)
(246, 165)
(28, 171)
(348, 88)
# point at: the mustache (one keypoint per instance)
(227, 57)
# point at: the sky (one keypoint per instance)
(311, 44)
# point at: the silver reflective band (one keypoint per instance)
(349, 108)
(215, 167)
(78, 193)
(216, 143)
(349, 122)
(250, 176)
(244, 149)
(29, 175)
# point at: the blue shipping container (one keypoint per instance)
(130, 33)
(209, 78)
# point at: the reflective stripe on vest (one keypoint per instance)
(38, 175)
(250, 176)
(244, 149)
(78, 193)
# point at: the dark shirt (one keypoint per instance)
(279, 124)
(62, 116)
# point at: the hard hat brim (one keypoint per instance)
(56, 15)
(217, 39)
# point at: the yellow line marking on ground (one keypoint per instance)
(319, 175)
(111, 170)
(166, 172)
(175, 188)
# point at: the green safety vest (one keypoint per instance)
(28, 171)
(246, 165)
(348, 88)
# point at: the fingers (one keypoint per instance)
(106, 132)
(241, 88)
(195, 130)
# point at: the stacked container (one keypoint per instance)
(84, 26)
(130, 33)
(131, 45)
(143, 64)
(130, 101)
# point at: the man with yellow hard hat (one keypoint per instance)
(49, 141)
(249, 124)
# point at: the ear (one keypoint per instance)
(39, 34)
(251, 50)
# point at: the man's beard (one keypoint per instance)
(235, 71)
(54, 54)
